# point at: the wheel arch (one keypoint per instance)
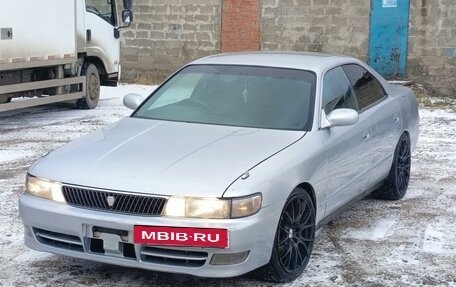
(99, 64)
(308, 188)
(406, 132)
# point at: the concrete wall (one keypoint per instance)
(316, 25)
(432, 45)
(342, 26)
(167, 34)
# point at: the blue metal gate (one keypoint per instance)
(388, 37)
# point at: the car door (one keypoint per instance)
(346, 147)
(384, 118)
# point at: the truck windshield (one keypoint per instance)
(101, 8)
(246, 96)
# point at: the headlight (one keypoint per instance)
(213, 208)
(44, 188)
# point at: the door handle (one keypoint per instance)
(89, 35)
(366, 137)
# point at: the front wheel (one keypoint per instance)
(92, 90)
(294, 240)
(396, 184)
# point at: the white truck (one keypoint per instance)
(59, 50)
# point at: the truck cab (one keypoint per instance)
(98, 35)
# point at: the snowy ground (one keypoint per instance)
(376, 243)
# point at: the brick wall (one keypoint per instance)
(240, 25)
(167, 34)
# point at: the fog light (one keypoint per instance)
(229, 259)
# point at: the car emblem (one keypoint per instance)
(110, 199)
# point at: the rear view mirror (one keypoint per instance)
(343, 117)
(339, 118)
(127, 16)
(132, 101)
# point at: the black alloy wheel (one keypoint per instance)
(403, 165)
(294, 239)
(396, 184)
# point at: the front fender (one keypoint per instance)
(279, 175)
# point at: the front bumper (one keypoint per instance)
(62, 229)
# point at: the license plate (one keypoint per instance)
(181, 236)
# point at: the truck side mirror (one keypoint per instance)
(127, 16)
(127, 4)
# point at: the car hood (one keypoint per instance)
(165, 158)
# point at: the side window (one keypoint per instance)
(337, 91)
(101, 8)
(367, 87)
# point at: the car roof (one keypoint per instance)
(316, 62)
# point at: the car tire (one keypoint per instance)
(395, 185)
(5, 100)
(293, 241)
(90, 71)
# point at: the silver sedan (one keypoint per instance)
(230, 166)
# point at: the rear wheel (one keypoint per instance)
(90, 71)
(396, 184)
(4, 100)
(294, 240)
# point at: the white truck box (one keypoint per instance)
(44, 33)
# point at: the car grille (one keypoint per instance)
(113, 201)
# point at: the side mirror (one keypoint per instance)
(132, 101)
(127, 16)
(339, 118)
(127, 4)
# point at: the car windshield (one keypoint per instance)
(244, 96)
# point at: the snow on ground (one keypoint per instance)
(411, 242)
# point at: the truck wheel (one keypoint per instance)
(90, 71)
(294, 240)
(395, 185)
(4, 100)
